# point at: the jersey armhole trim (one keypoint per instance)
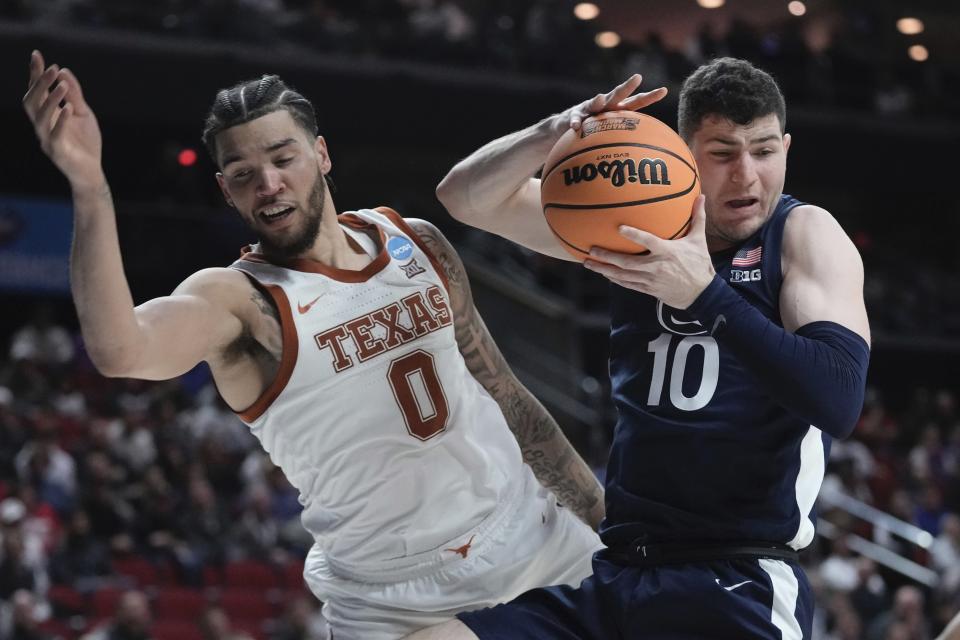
(288, 358)
(402, 224)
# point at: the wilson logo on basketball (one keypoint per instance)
(619, 172)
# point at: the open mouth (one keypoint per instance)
(742, 203)
(274, 214)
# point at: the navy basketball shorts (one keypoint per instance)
(740, 598)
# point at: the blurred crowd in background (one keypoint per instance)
(855, 66)
(134, 510)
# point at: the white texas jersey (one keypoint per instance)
(374, 417)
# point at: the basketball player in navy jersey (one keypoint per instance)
(737, 353)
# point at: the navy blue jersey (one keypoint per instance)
(701, 452)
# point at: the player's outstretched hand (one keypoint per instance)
(620, 98)
(674, 271)
(63, 121)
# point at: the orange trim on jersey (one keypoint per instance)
(400, 222)
(343, 275)
(288, 359)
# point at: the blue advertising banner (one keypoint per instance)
(35, 244)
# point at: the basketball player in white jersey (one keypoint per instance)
(351, 347)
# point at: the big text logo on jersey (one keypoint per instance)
(743, 275)
(678, 322)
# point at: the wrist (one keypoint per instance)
(549, 130)
(91, 185)
(714, 304)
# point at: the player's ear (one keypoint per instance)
(786, 142)
(323, 155)
(223, 189)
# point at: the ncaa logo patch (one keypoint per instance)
(399, 248)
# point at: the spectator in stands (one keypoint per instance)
(945, 553)
(67, 400)
(41, 524)
(42, 340)
(104, 486)
(131, 621)
(905, 621)
(201, 530)
(870, 598)
(302, 620)
(82, 558)
(214, 625)
(839, 572)
(158, 507)
(929, 509)
(901, 507)
(20, 567)
(24, 619)
(134, 443)
(43, 464)
(846, 623)
(12, 437)
(257, 534)
(926, 458)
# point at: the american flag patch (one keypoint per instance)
(745, 258)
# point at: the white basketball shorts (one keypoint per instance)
(527, 542)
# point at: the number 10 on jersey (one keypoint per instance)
(660, 348)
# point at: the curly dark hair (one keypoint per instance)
(252, 99)
(730, 88)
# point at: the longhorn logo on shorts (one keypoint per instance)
(464, 549)
(678, 322)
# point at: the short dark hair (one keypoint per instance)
(730, 88)
(252, 99)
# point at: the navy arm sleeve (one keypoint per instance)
(819, 373)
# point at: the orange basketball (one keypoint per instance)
(621, 167)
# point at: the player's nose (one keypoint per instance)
(744, 170)
(270, 182)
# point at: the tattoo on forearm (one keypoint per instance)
(553, 460)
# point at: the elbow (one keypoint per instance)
(450, 194)
(112, 363)
(839, 430)
(840, 421)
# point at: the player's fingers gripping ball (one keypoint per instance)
(619, 168)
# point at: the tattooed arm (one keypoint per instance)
(554, 461)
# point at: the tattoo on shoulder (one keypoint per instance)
(258, 336)
(266, 306)
(442, 251)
